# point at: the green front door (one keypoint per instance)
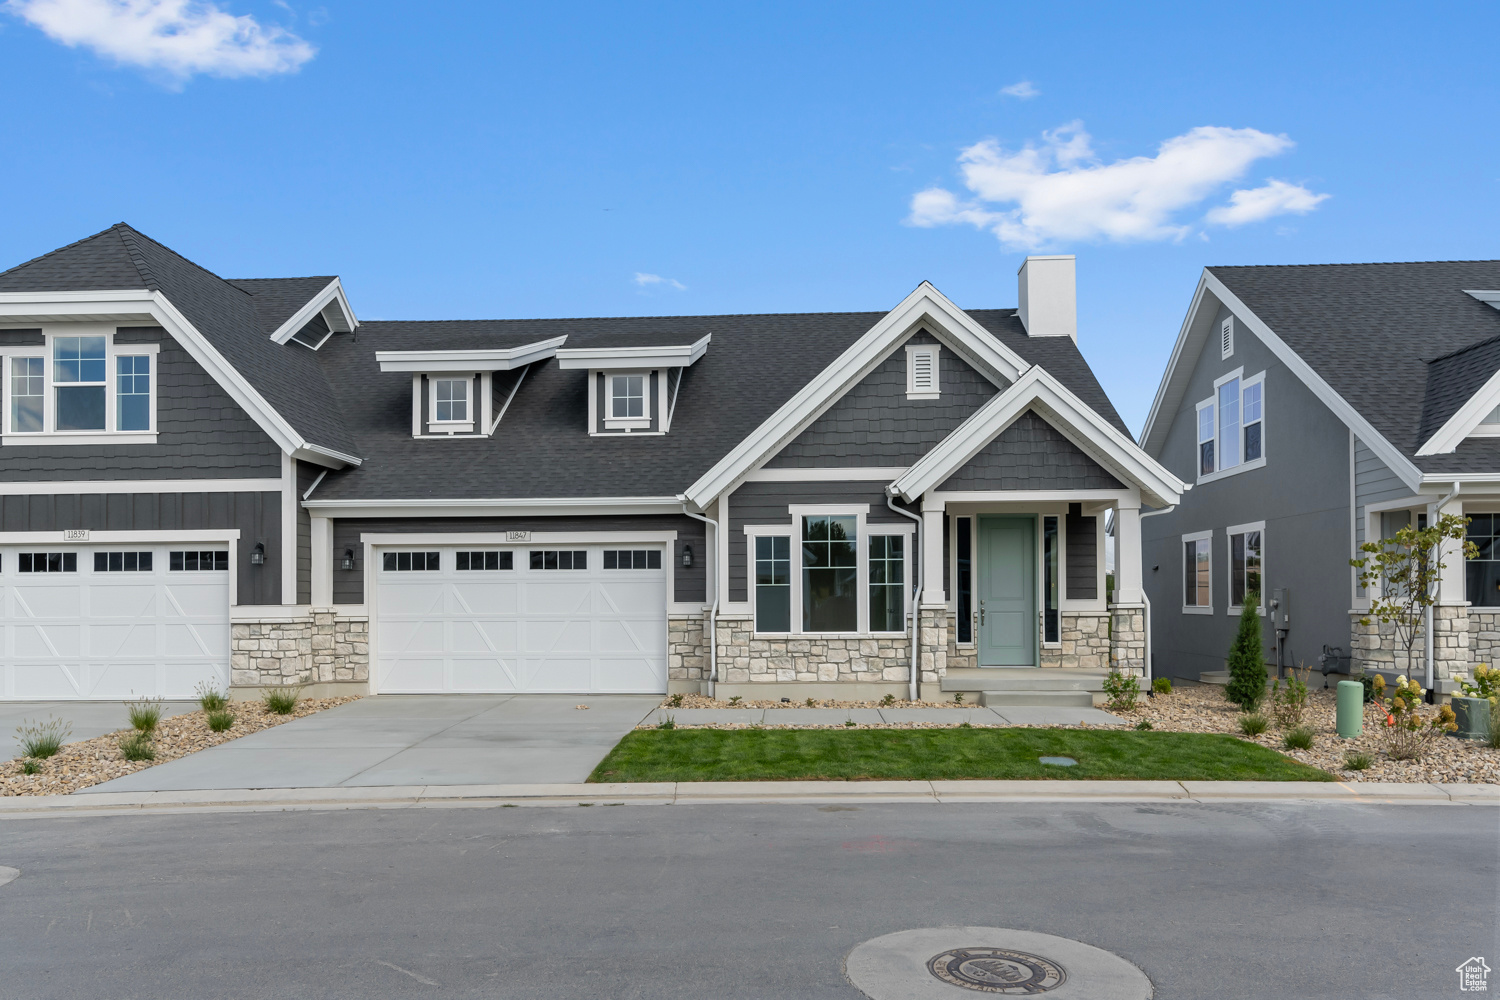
(1007, 592)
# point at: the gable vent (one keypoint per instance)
(1226, 338)
(922, 372)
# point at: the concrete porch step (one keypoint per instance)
(1036, 699)
(1219, 677)
(1022, 679)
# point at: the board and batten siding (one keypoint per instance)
(307, 474)
(256, 515)
(202, 433)
(875, 425)
(349, 587)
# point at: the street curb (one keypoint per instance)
(742, 792)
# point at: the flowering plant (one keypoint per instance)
(1486, 685)
(1405, 730)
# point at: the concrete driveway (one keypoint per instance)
(88, 718)
(413, 740)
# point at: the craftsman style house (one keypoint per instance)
(1312, 408)
(238, 482)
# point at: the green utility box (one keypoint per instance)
(1351, 709)
(1473, 717)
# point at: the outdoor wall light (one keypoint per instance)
(258, 555)
(348, 560)
(687, 557)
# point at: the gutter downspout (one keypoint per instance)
(1150, 665)
(713, 610)
(890, 502)
(1437, 512)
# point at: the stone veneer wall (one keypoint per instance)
(315, 646)
(744, 659)
(932, 649)
(1127, 647)
(1458, 636)
(687, 655)
(1484, 636)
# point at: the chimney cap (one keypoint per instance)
(1045, 256)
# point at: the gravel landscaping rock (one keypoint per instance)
(89, 762)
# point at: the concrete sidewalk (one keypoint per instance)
(742, 792)
(975, 715)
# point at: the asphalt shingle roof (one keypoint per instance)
(1402, 343)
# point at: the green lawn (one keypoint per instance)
(939, 754)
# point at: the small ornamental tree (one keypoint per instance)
(1402, 575)
(1247, 659)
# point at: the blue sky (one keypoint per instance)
(494, 160)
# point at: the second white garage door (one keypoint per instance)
(582, 619)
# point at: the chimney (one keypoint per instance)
(1048, 296)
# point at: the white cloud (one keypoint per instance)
(177, 37)
(1259, 204)
(1060, 190)
(643, 280)
(1024, 90)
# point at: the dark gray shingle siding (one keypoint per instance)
(874, 424)
(201, 433)
(256, 515)
(1031, 454)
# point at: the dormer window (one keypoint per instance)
(450, 404)
(464, 392)
(627, 396)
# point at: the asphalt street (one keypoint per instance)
(1283, 900)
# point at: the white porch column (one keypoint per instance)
(1451, 585)
(322, 562)
(1128, 554)
(934, 572)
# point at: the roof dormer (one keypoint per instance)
(320, 317)
(632, 387)
(464, 393)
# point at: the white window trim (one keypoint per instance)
(1196, 536)
(450, 426)
(49, 434)
(1229, 533)
(1259, 378)
(613, 423)
(864, 530)
(934, 352)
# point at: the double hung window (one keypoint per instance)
(1245, 566)
(1230, 425)
(78, 375)
(1197, 573)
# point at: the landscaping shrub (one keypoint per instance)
(220, 720)
(1406, 732)
(31, 766)
(137, 746)
(888, 700)
(42, 739)
(281, 700)
(1298, 738)
(144, 714)
(1253, 723)
(1486, 685)
(1161, 685)
(1289, 699)
(211, 699)
(676, 701)
(1358, 762)
(1247, 660)
(1122, 689)
(735, 700)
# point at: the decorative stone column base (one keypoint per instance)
(1374, 648)
(316, 648)
(1127, 645)
(1450, 641)
(687, 653)
(932, 624)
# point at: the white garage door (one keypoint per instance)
(586, 618)
(113, 621)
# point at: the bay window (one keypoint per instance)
(1230, 425)
(80, 388)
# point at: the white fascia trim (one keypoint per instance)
(1038, 389)
(333, 293)
(120, 486)
(849, 475)
(1465, 421)
(539, 507)
(925, 306)
(487, 359)
(1373, 439)
(1031, 496)
(319, 455)
(676, 356)
(119, 537)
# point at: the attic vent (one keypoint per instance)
(1226, 338)
(922, 372)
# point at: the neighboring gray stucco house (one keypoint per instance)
(1313, 407)
(221, 481)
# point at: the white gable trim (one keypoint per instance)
(138, 305)
(924, 307)
(333, 294)
(1073, 418)
(1211, 287)
(1465, 421)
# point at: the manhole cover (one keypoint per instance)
(997, 970)
(1058, 761)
